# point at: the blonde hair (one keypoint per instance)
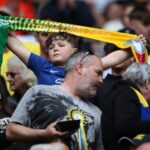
(27, 75)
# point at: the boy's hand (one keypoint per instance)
(143, 39)
(10, 33)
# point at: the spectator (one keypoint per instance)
(112, 78)
(123, 113)
(20, 79)
(60, 46)
(42, 105)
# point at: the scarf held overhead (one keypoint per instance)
(122, 40)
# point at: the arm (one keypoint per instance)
(18, 49)
(115, 58)
(119, 56)
(18, 132)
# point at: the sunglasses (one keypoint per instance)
(84, 56)
(12, 74)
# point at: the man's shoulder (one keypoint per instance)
(94, 109)
(46, 88)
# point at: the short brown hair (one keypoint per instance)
(72, 39)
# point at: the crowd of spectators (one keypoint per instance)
(67, 75)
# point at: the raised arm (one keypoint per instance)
(119, 56)
(115, 58)
(18, 48)
(20, 133)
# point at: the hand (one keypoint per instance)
(143, 39)
(51, 131)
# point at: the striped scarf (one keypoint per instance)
(122, 40)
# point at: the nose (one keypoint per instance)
(56, 48)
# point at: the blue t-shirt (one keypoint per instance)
(45, 71)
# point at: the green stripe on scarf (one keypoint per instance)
(3, 38)
(122, 40)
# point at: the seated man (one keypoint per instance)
(43, 105)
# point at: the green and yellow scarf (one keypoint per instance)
(122, 40)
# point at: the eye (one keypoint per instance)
(51, 47)
(61, 44)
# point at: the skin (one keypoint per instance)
(145, 90)
(145, 146)
(16, 83)
(28, 134)
(41, 38)
(92, 77)
(89, 76)
(59, 52)
(76, 83)
(59, 55)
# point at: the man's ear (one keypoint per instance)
(147, 84)
(79, 68)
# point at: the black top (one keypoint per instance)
(121, 115)
(105, 89)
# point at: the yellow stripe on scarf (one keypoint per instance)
(122, 40)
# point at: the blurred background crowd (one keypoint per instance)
(109, 14)
(129, 16)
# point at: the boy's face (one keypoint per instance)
(59, 51)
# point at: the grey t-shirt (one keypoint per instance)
(42, 105)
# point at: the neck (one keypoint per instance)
(71, 90)
(23, 89)
(144, 93)
(44, 55)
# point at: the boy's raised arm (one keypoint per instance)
(115, 58)
(119, 56)
(18, 48)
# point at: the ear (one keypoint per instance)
(147, 84)
(79, 68)
(74, 50)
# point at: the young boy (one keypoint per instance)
(60, 47)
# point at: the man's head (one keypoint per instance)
(84, 71)
(50, 146)
(61, 46)
(139, 74)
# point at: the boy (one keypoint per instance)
(60, 47)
